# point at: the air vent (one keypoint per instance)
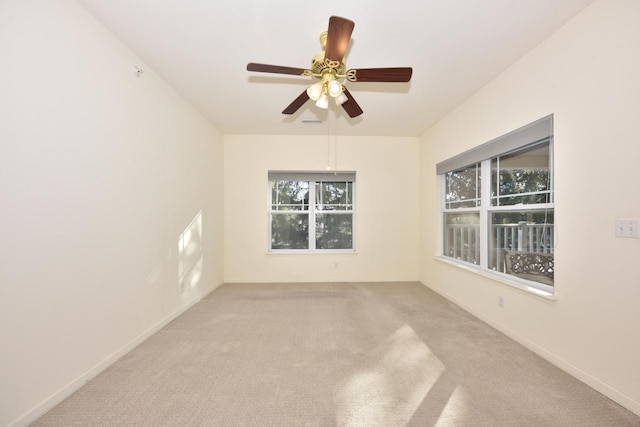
(311, 121)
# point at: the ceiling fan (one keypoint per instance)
(328, 66)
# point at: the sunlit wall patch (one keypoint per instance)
(190, 255)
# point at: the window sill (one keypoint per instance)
(302, 252)
(521, 285)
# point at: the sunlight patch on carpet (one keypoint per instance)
(387, 388)
(455, 410)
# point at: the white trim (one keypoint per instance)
(57, 397)
(308, 252)
(521, 207)
(485, 192)
(577, 372)
(485, 211)
(532, 288)
(463, 210)
(311, 212)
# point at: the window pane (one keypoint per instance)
(334, 231)
(334, 195)
(289, 195)
(289, 230)
(462, 236)
(521, 177)
(463, 188)
(521, 244)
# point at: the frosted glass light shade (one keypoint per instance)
(334, 88)
(314, 91)
(323, 101)
(341, 99)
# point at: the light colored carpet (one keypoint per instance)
(346, 354)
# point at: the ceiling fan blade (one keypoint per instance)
(400, 74)
(350, 105)
(277, 69)
(297, 103)
(338, 36)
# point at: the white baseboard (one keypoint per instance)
(69, 389)
(590, 380)
(593, 382)
(311, 280)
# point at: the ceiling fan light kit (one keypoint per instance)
(328, 86)
(329, 68)
(323, 101)
(334, 88)
(314, 91)
(341, 99)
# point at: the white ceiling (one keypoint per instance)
(202, 47)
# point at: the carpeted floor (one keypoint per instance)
(346, 354)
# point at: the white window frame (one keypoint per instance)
(538, 132)
(312, 178)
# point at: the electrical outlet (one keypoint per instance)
(629, 228)
(500, 302)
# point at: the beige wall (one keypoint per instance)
(586, 74)
(100, 174)
(386, 208)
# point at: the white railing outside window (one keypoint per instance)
(462, 242)
(498, 211)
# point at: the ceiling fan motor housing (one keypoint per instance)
(320, 66)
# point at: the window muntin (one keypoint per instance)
(332, 196)
(324, 225)
(334, 215)
(463, 187)
(289, 195)
(517, 211)
(521, 177)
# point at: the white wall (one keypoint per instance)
(586, 74)
(100, 174)
(386, 207)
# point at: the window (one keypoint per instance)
(311, 211)
(498, 205)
